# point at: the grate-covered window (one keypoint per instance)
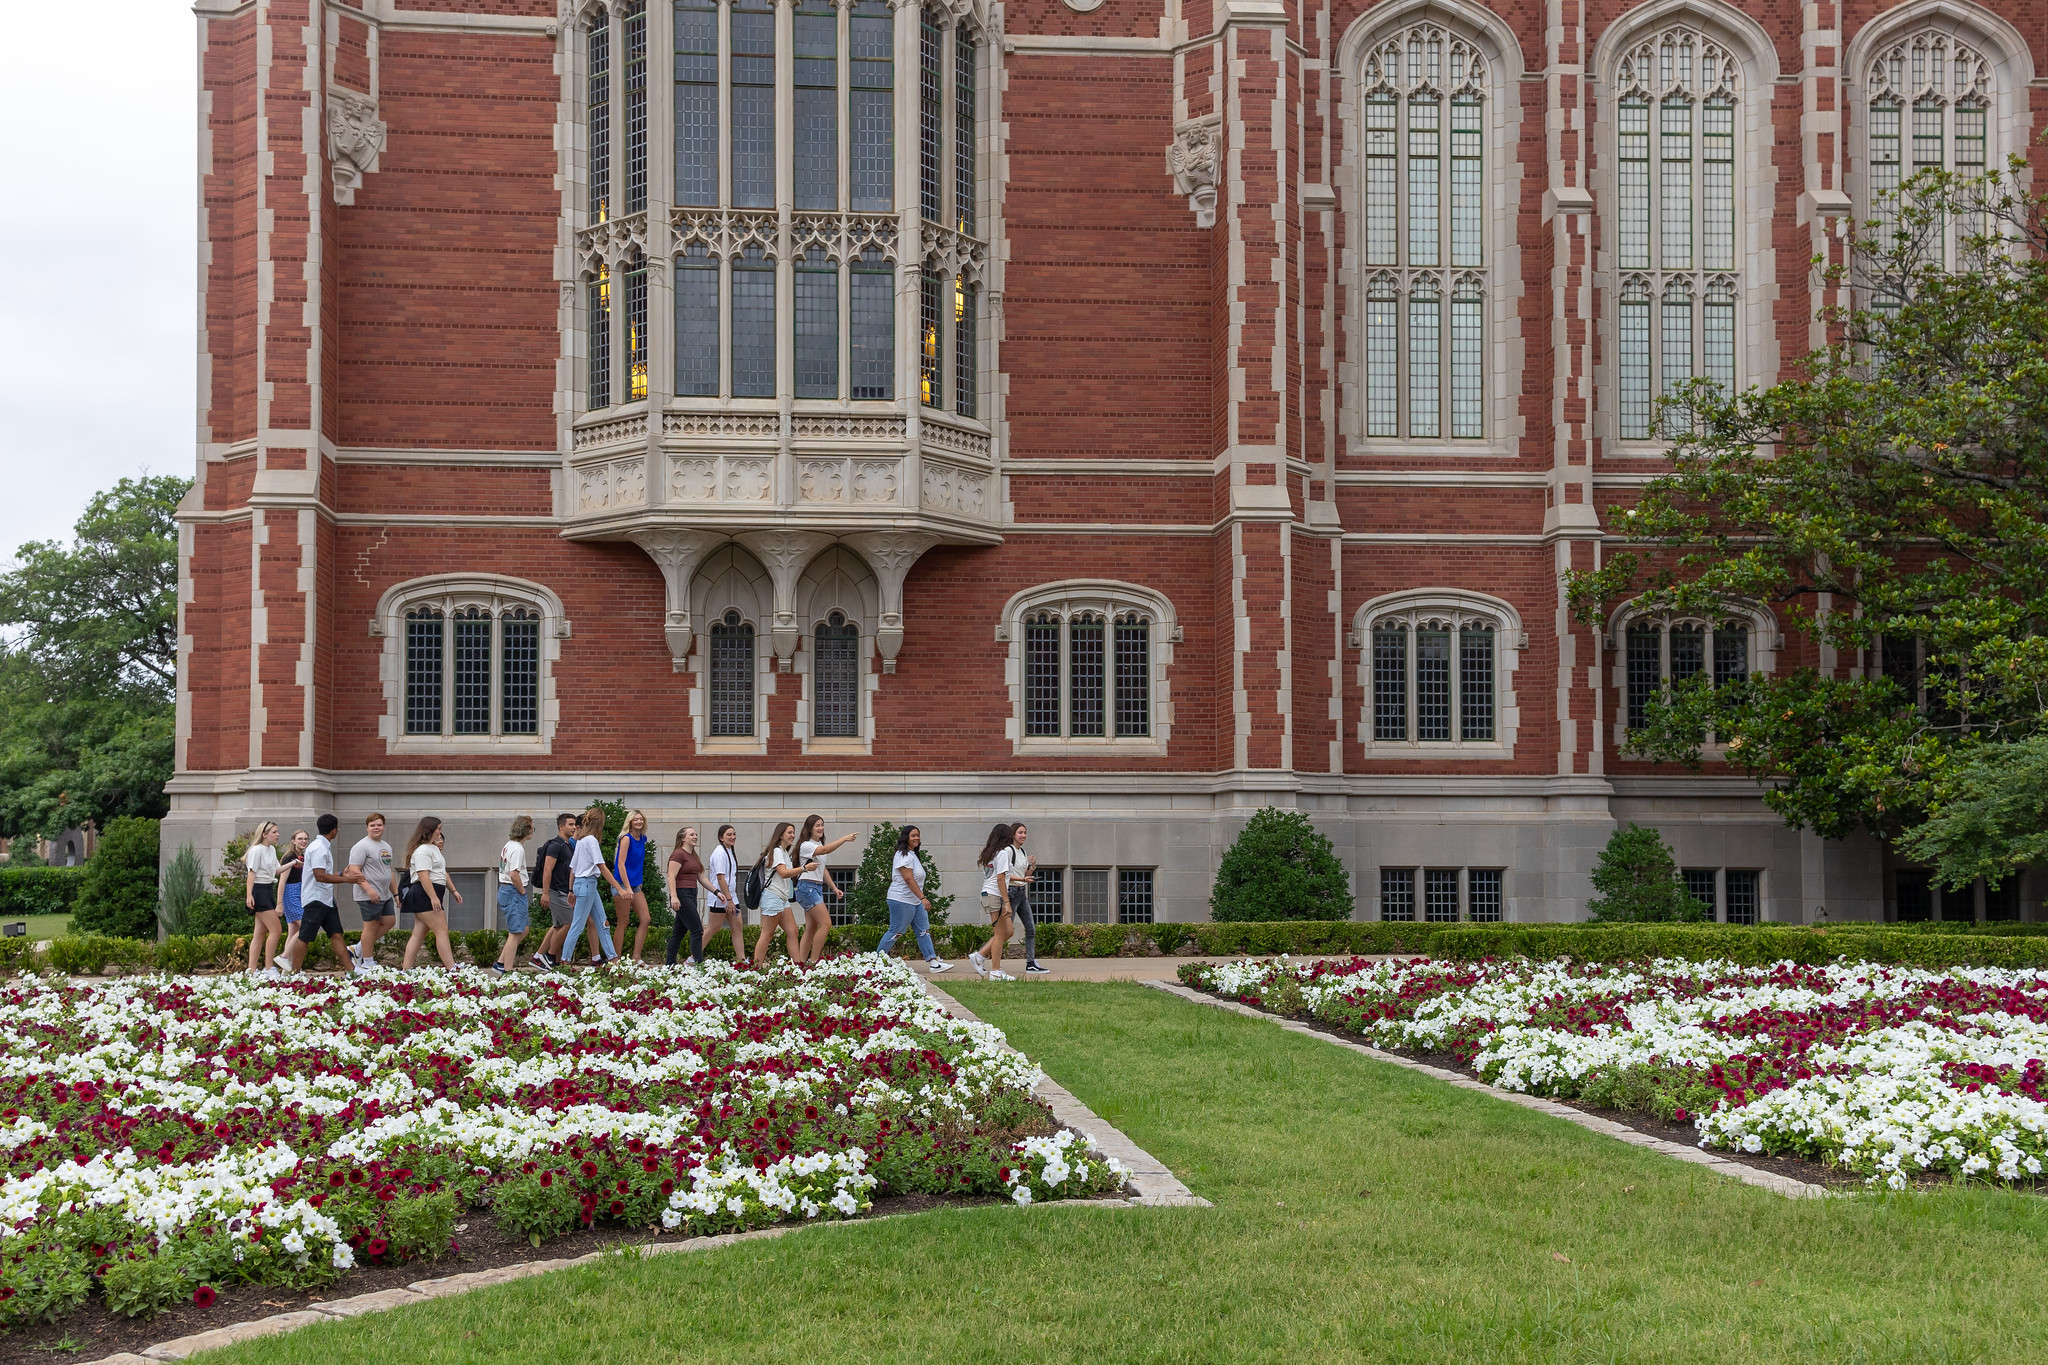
(472, 671)
(598, 377)
(931, 115)
(930, 317)
(872, 346)
(1913, 895)
(1440, 895)
(1133, 677)
(835, 899)
(1390, 681)
(634, 30)
(965, 363)
(697, 330)
(1134, 895)
(1700, 885)
(873, 101)
(423, 654)
(1047, 895)
(1745, 896)
(1397, 893)
(753, 106)
(696, 30)
(519, 673)
(817, 326)
(1432, 682)
(599, 114)
(636, 329)
(753, 325)
(1091, 895)
(1483, 892)
(963, 131)
(817, 106)
(2002, 902)
(1042, 675)
(1085, 681)
(732, 677)
(835, 706)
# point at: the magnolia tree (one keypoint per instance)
(1887, 502)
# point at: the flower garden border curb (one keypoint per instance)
(1748, 1175)
(1157, 1186)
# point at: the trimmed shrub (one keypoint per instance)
(484, 945)
(1280, 868)
(1637, 879)
(219, 912)
(118, 895)
(37, 890)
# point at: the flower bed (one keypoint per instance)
(160, 1137)
(1887, 1071)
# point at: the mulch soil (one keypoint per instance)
(1796, 1168)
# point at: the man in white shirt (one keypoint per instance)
(316, 896)
(369, 866)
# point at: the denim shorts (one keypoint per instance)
(809, 894)
(512, 910)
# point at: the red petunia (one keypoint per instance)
(590, 1170)
(377, 1247)
(617, 1208)
(547, 1178)
(203, 1296)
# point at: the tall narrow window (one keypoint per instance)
(817, 106)
(1943, 86)
(1424, 102)
(931, 116)
(1397, 894)
(696, 102)
(1085, 680)
(931, 317)
(1046, 895)
(732, 678)
(1042, 676)
(753, 106)
(600, 119)
(963, 131)
(1675, 226)
(873, 342)
(696, 323)
(1475, 682)
(1645, 668)
(873, 100)
(1440, 895)
(1091, 895)
(817, 326)
(835, 705)
(1433, 682)
(634, 31)
(636, 329)
(472, 671)
(1731, 653)
(1134, 895)
(1390, 681)
(965, 363)
(1483, 894)
(753, 325)
(423, 652)
(519, 673)
(1133, 677)
(1745, 899)
(599, 376)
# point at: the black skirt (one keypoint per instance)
(265, 896)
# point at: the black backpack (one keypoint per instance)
(757, 883)
(540, 858)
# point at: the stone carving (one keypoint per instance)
(850, 428)
(952, 253)
(874, 481)
(890, 554)
(610, 433)
(951, 489)
(615, 239)
(677, 553)
(611, 484)
(1192, 160)
(692, 478)
(1084, 6)
(355, 141)
(820, 481)
(784, 554)
(765, 424)
(749, 480)
(953, 438)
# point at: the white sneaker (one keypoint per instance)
(937, 966)
(1000, 976)
(980, 963)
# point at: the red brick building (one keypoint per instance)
(1110, 413)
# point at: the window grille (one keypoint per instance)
(1046, 895)
(1699, 883)
(753, 325)
(817, 326)
(873, 345)
(1134, 895)
(1731, 653)
(1645, 673)
(1688, 652)
(1483, 891)
(1433, 678)
(1390, 681)
(2001, 902)
(1091, 895)
(817, 107)
(519, 673)
(1397, 893)
(1084, 677)
(697, 104)
(1440, 895)
(1042, 676)
(753, 108)
(1658, 654)
(1745, 900)
(963, 131)
(423, 647)
(836, 900)
(697, 323)
(600, 121)
(1432, 682)
(600, 360)
(1913, 894)
(1675, 144)
(1133, 677)
(1424, 92)
(1947, 85)
(931, 303)
(634, 31)
(965, 363)
(931, 116)
(873, 107)
(472, 671)
(1475, 682)
(732, 678)
(835, 682)
(636, 329)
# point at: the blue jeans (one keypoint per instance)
(588, 907)
(512, 909)
(902, 915)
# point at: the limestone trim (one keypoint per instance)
(1108, 601)
(731, 580)
(1454, 608)
(494, 594)
(838, 581)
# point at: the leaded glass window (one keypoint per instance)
(1085, 682)
(519, 673)
(599, 115)
(1658, 654)
(697, 330)
(1133, 677)
(1087, 673)
(1042, 675)
(931, 116)
(753, 104)
(423, 682)
(872, 349)
(817, 108)
(635, 31)
(1675, 207)
(1939, 88)
(1424, 102)
(753, 325)
(471, 669)
(931, 316)
(963, 131)
(835, 681)
(732, 677)
(598, 375)
(636, 329)
(817, 326)
(696, 27)
(1390, 681)
(1434, 677)
(964, 361)
(873, 100)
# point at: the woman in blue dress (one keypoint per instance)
(629, 865)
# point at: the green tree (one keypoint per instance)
(1637, 879)
(119, 893)
(867, 899)
(1279, 868)
(1887, 502)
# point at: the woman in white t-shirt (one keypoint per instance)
(722, 883)
(776, 903)
(813, 885)
(909, 907)
(514, 899)
(260, 895)
(426, 897)
(999, 857)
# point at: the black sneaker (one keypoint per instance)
(498, 969)
(1033, 969)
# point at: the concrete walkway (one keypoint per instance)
(1091, 968)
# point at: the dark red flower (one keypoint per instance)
(547, 1178)
(650, 1165)
(377, 1247)
(203, 1296)
(617, 1208)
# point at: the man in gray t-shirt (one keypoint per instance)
(374, 902)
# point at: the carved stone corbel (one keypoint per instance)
(1195, 161)
(677, 554)
(784, 554)
(355, 140)
(890, 554)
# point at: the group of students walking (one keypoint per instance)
(291, 891)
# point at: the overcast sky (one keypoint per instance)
(97, 233)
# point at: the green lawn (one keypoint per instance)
(43, 926)
(1362, 1213)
